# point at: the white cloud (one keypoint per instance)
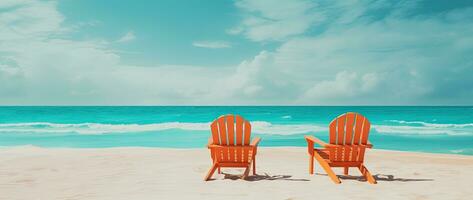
(281, 20)
(212, 44)
(129, 36)
(346, 85)
(39, 67)
(355, 60)
(397, 59)
(235, 30)
(275, 20)
(30, 19)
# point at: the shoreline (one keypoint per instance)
(196, 148)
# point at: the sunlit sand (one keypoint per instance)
(282, 173)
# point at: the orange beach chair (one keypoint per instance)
(230, 145)
(346, 148)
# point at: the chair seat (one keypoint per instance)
(233, 164)
(325, 154)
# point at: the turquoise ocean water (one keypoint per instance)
(424, 129)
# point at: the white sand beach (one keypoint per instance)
(157, 173)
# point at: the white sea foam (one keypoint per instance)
(424, 128)
(261, 127)
(98, 128)
(433, 124)
(462, 151)
(457, 151)
(286, 129)
(286, 117)
(418, 130)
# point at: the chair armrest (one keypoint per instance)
(255, 141)
(369, 145)
(210, 142)
(312, 139)
(211, 146)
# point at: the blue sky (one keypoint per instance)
(165, 30)
(241, 52)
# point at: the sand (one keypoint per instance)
(157, 173)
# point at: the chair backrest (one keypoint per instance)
(350, 130)
(231, 130)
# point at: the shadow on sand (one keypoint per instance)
(259, 177)
(379, 177)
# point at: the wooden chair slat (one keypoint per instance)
(247, 133)
(222, 130)
(365, 132)
(346, 153)
(239, 155)
(358, 128)
(333, 131)
(215, 135)
(341, 129)
(232, 151)
(230, 129)
(349, 128)
(361, 154)
(239, 130)
(354, 155)
(245, 155)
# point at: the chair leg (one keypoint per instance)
(311, 164)
(254, 166)
(211, 172)
(327, 168)
(367, 174)
(345, 170)
(247, 171)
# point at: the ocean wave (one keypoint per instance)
(462, 151)
(425, 128)
(420, 130)
(97, 128)
(284, 129)
(261, 127)
(433, 124)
